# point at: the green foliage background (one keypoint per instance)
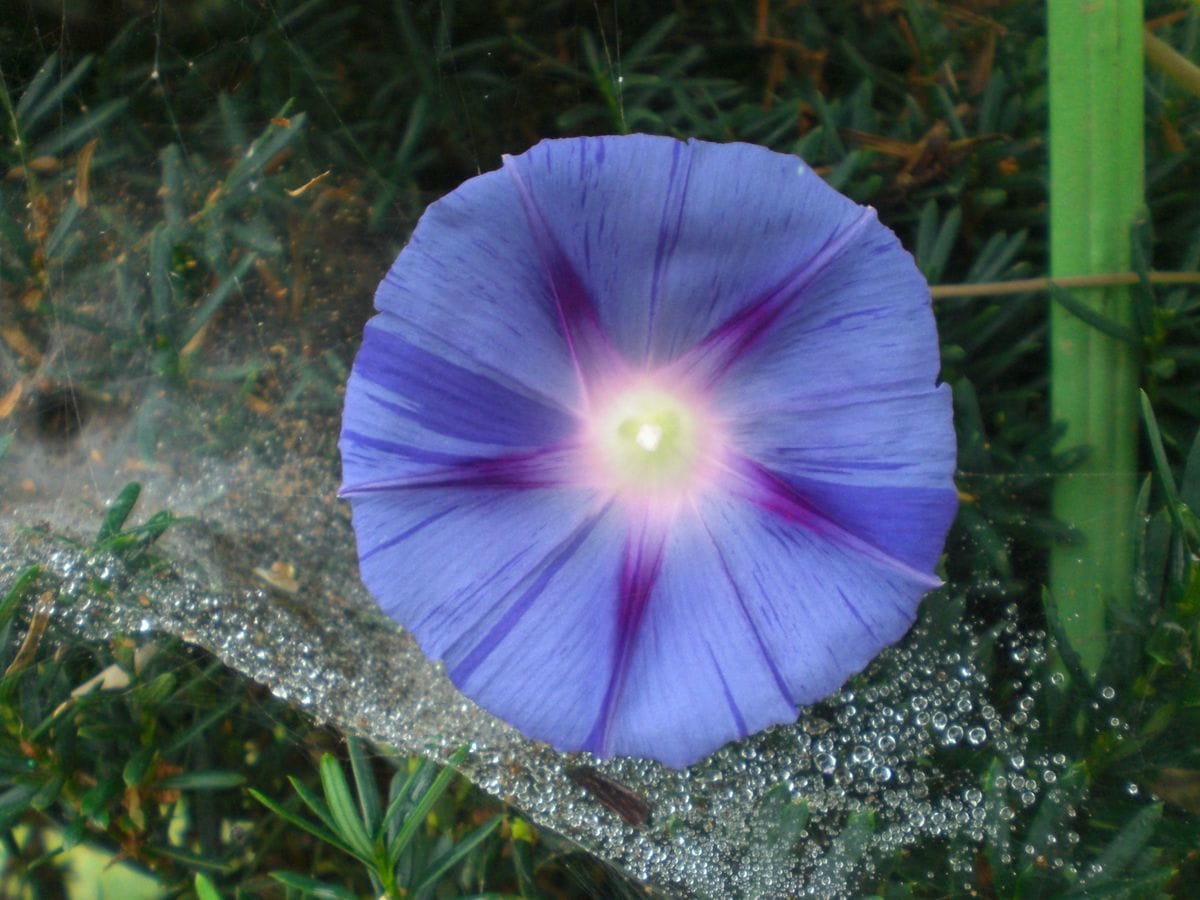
(208, 117)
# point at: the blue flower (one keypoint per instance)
(645, 442)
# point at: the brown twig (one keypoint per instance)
(1026, 285)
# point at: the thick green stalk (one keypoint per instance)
(1096, 192)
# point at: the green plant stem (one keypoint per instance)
(1096, 193)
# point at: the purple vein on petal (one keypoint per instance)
(764, 489)
(670, 230)
(729, 700)
(726, 343)
(534, 587)
(408, 452)
(640, 565)
(406, 534)
(591, 351)
(736, 590)
(548, 467)
(853, 610)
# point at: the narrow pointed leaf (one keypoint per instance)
(444, 863)
(318, 807)
(342, 807)
(1162, 468)
(40, 98)
(1124, 848)
(87, 127)
(214, 301)
(204, 888)
(322, 834)
(421, 809)
(365, 786)
(118, 511)
(1086, 314)
(310, 887)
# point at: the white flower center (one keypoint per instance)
(649, 436)
(649, 443)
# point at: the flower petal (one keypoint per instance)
(670, 240)
(881, 469)
(837, 399)
(695, 672)
(563, 597)
(824, 608)
(436, 561)
(468, 287)
(774, 494)
(859, 327)
(592, 355)
(735, 637)
(411, 414)
(541, 657)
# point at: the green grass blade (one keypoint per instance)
(162, 294)
(440, 866)
(310, 887)
(34, 91)
(204, 888)
(1162, 468)
(342, 807)
(365, 786)
(300, 822)
(118, 512)
(274, 139)
(86, 127)
(217, 298)
(65, 223)
(421, 808)
(24, 581)
(1124, 848)
(35, 104)
(211, 780)
(172, 188)
(201, 725)
(1189, 483)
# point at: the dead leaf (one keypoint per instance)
(296, 192)
(83, 173)
(10, 399)
(1180, 787)
(281, 576)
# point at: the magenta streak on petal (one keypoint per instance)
(463, 671)
(640, 565)
(550, 467)
(762, 488)
(591, 351)
(724, 344)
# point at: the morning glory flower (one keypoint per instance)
(645, 442)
